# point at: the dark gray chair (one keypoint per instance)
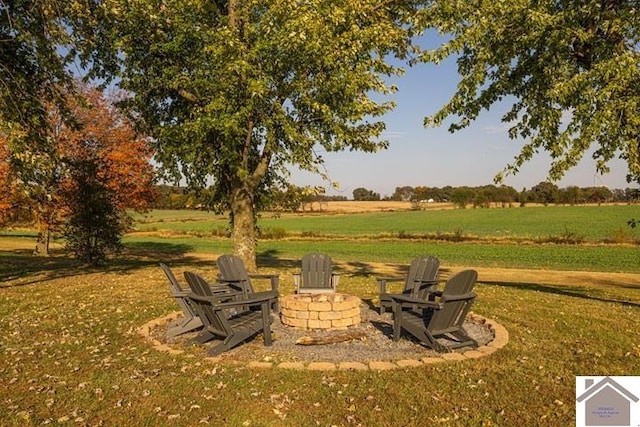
(190, 321)
(232, 317)
(233, 272)
(421, 278)
(316, 275)
(439, 317)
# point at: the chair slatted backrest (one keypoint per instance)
(211, 318)
(457, 298)
(232, 269)
(316, 271)
(177, 292)
(423, 271)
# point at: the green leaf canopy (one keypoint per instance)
(238, 90)
(570, 68)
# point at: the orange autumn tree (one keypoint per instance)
(109, 171)
(108, 138)
(102, 168)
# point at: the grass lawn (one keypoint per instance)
(70, 354)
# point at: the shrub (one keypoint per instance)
(620, 235)
(404, 235)
(456, 236)
(95, 226)
(567, 238)
(273, 233)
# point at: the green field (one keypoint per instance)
(594, 223)
(511, 237)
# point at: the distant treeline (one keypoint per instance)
(544, 192)
(301, 198)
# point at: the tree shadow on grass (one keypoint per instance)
(564, 290)
(19, 267)
(364, 269)
(269, 258)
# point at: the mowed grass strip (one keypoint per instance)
(610, 258)
(70, 354)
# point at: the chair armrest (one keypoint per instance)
(263, 276)
(265, 295)
(427, 282)
(403, 300)
(422, 287)
(256, 298)
(459, 297)
(382, 282)
(179, 294)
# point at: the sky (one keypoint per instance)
(433, 157)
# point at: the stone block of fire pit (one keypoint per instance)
(320, 311)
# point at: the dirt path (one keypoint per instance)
(511, 275)
(518, 275)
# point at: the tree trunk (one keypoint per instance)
(42, 242)
(244, 227)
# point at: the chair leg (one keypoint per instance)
(230, 342)
(434, 344)
(397, 321)
(186, 325)
(203, 337)
(266, 324)
(464, 339)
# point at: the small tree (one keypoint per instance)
(403, 193)
(462, 196)
(545, 192)
(95, 226)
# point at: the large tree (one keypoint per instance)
(234, 92)
(571, 69)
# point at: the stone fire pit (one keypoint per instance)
(320, 311)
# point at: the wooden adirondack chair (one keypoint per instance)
(233, 318)
(233, 272)
(420, 280)
(190, 321)
(316, 275)
(439, 317)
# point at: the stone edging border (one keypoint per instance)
(501, 337)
